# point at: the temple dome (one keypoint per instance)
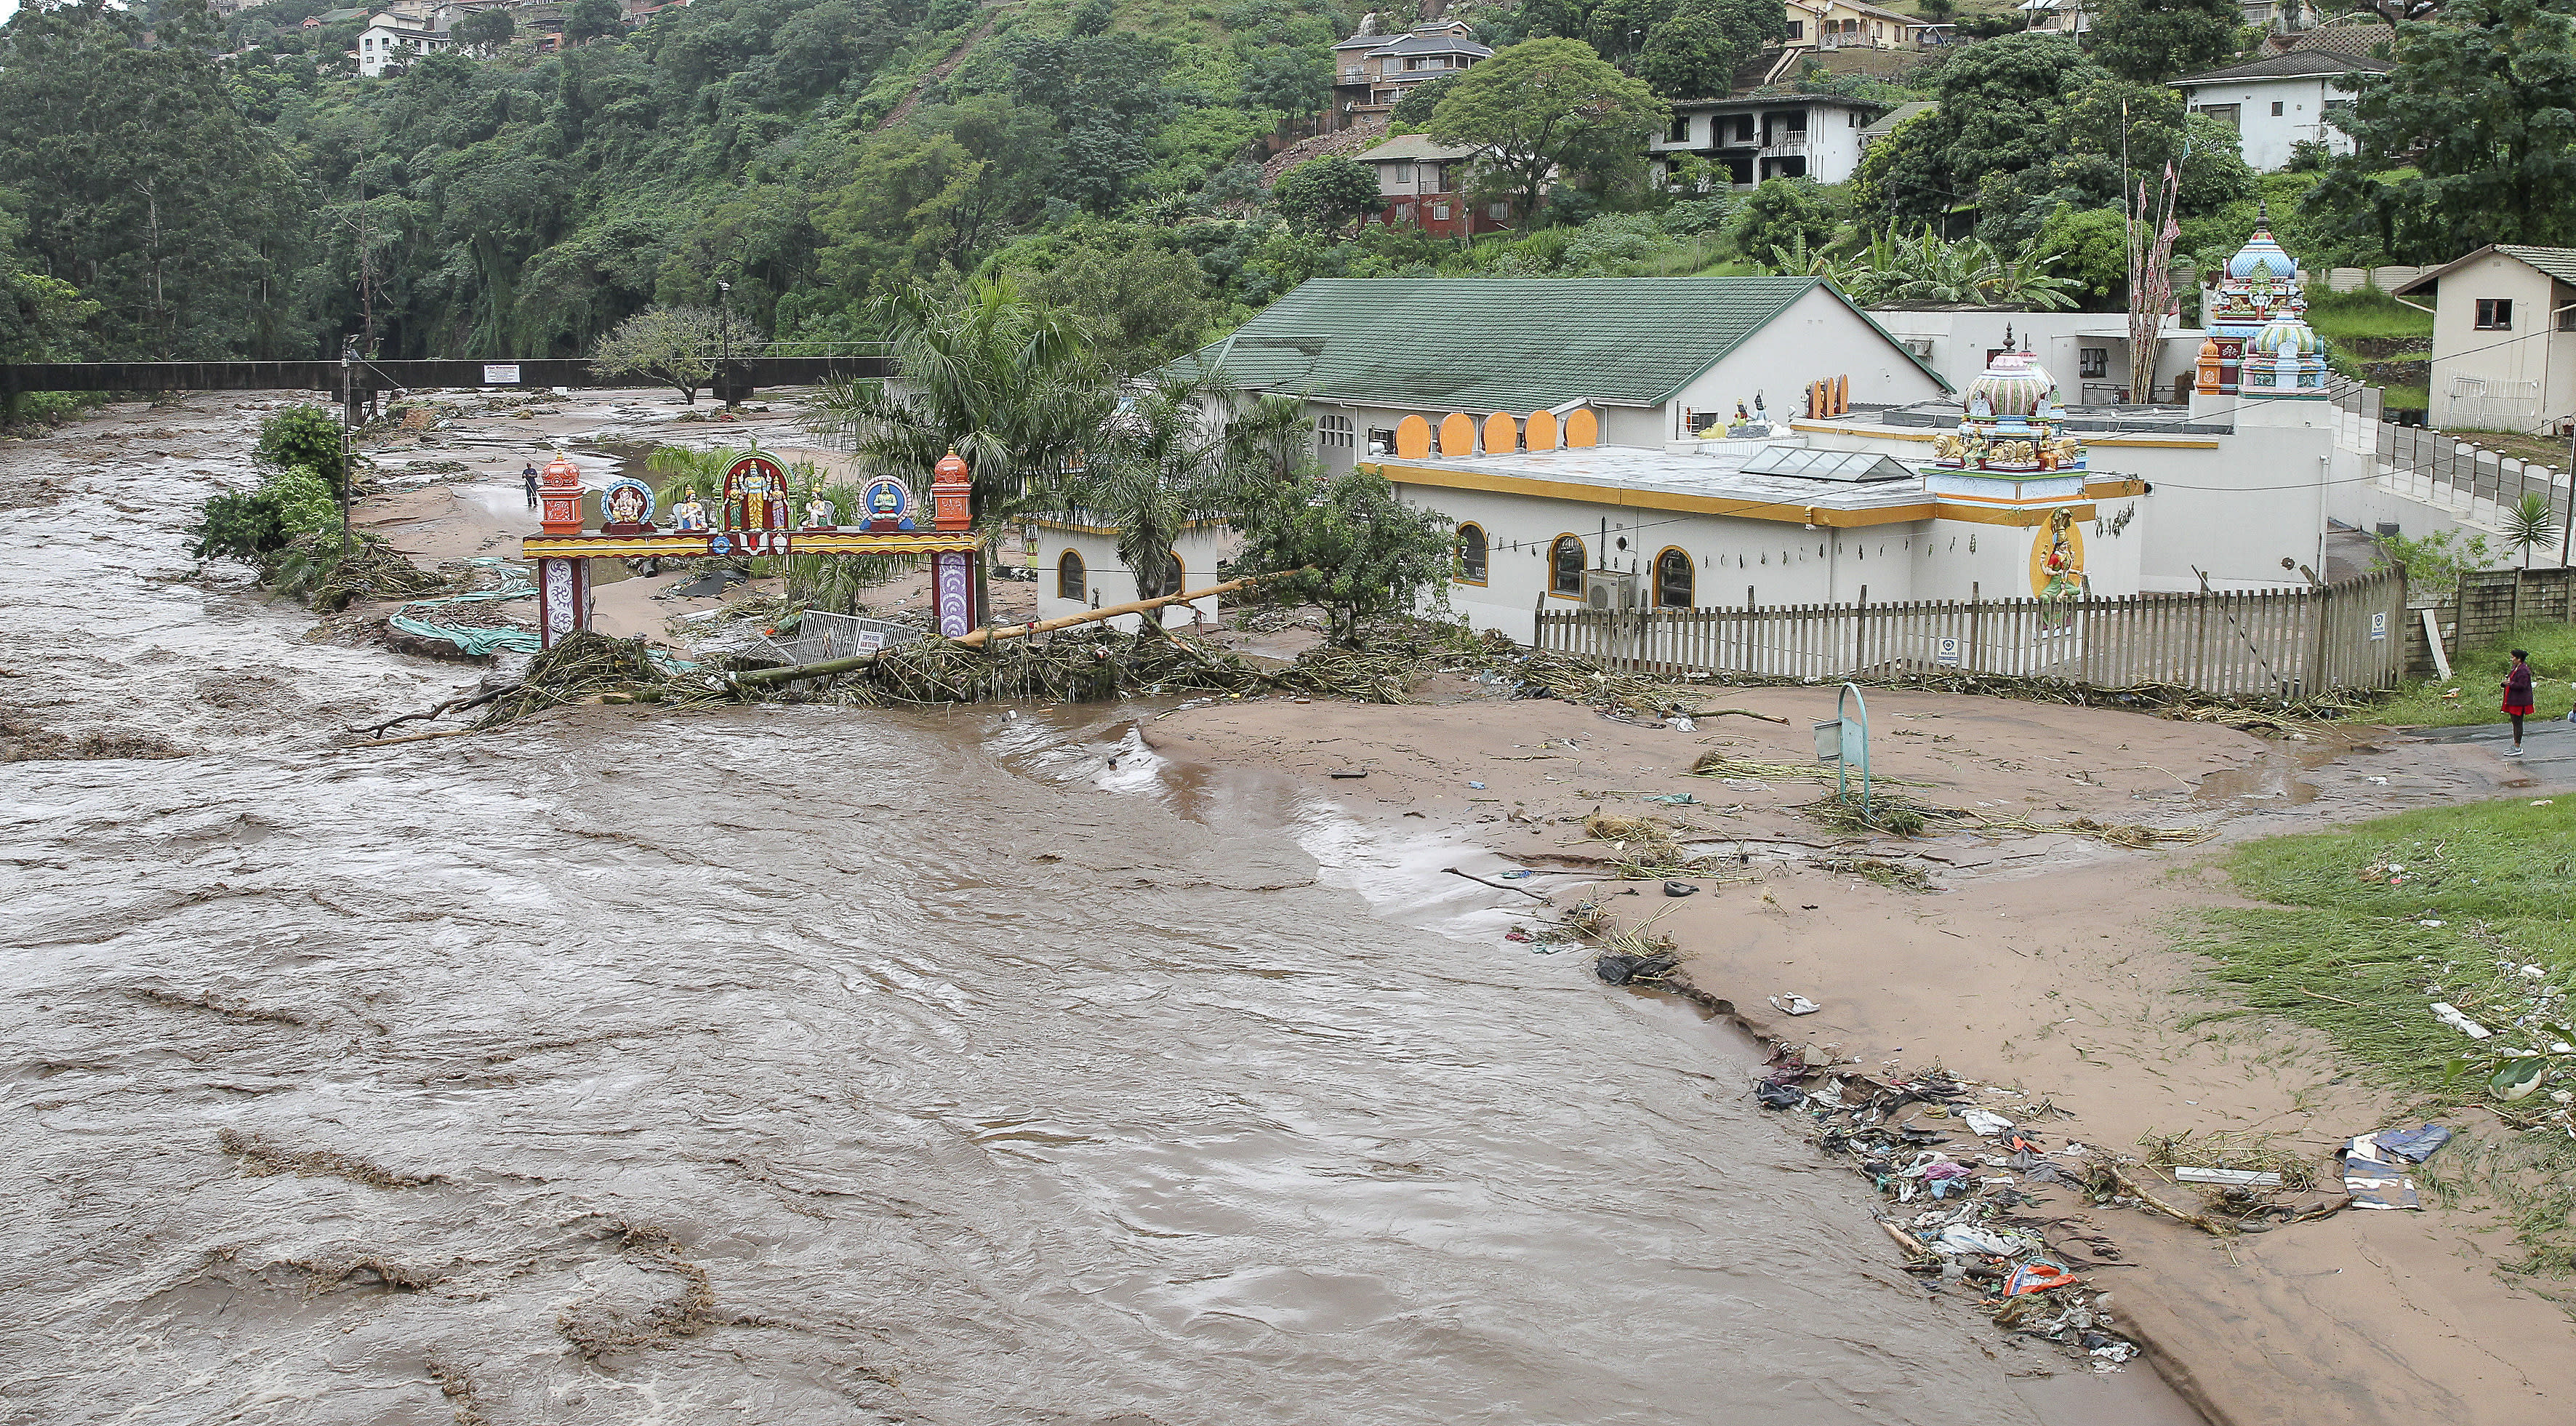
(2263, 254)
(2013, 385)
(2285, 336)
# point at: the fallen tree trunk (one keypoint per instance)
(761, 677)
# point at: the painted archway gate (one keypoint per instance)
(755, 512)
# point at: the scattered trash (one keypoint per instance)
(2374, 1165)
(2240, 1178)
(2450, 1015)
(1628, 970)
(2381, 781)
(1962, 1238)
(1986, 1122)
(1684, 722)
(2432, 921)
(1779, 1096)
(1359, 772)
(1679, 888)
(1517, 873)
(2037, 1275)
(1794, 1005)
(1477, 785)
(1675, 799)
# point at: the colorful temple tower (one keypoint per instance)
(2260, 349)
(2259, 289)
(2010, 428)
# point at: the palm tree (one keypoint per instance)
(2527, 524)
(1924, 268)
(1179, 452)
(1009, 384)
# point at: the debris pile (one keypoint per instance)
(1956, 1189)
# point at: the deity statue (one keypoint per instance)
(689, 515)
(2061, 564)
(755, 496)
(820, 514)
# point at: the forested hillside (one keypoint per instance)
(174, 186)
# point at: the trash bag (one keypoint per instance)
(1779, 1096)
(1622, 970)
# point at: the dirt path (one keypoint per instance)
(946, 67)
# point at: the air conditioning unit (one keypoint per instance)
(1920, 346)
(1609, 589)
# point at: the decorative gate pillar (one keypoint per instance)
(559, 492)
(952, 572)
(563, 598)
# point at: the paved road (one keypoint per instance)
(2548, 746)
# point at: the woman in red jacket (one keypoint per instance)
(2517, 697)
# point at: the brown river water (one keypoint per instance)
(797, 1065)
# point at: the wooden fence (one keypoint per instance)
(2286, 643)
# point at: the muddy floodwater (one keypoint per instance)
(800, 1065)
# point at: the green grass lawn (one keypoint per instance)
(2478, 674)
(2367, 313)
(2362, 929)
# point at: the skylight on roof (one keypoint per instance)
(1808, 463)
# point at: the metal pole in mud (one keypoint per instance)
(348, 404)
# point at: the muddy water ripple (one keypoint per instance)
(800, 1065)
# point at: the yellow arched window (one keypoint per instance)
(1675, 578)
(1471, 554)
(1565, 567)
(1072, 581)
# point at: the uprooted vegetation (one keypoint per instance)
(261, 1156)
(609, 1322)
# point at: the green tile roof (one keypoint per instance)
(1481, 344)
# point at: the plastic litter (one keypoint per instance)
(1679, 888)
(1675, 799)
(2413, 1145)
(1627, 970)
(2374, 1165)
(1518, 873)
(2239, 1178)
(1965, 1238)
(1779, 1096)
(1794, 1005)
(2450, 1015)
(1477, 785)
(2038, 1275)
(1684, 722)
(1986, 1122)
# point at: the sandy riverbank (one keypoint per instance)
(2045, 963)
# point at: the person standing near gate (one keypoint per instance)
(2517, 698)
(528, 478)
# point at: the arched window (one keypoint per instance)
(1565, 567)
(1170, 583)
(1471, 554)
(1673, 578)
(1072, 581)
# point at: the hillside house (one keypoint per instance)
(2504, 337)
(1850, 24)
(1371, 72)
(397, 37)
(2275, 104)
(1492, 365)
(1774, 136)
(1424, 185)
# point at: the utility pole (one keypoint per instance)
(348, 409)
(724, 341)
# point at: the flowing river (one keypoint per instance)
(802, 1065)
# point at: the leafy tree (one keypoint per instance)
(2094, 253)
(40, 316)
(1108, 97)
(676, 347)
(248, 525)
(1353, 546)
(590, 19)
(1327, 194)
(1783, 214)
(306, 438)
(1414, 110)
(145, 186)
(1296, 81)
(2151, 41)
(486, 30)
(1146, 304)
(1009, 383)
(1544, 107)
(2482, 107)
(1691, 56)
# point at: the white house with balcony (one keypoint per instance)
(1372, 71)
(398, 36)
(1761, 137)
(2275, 104)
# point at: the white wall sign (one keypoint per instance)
(2379, 625)
(507, 375)
(1945, 652)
